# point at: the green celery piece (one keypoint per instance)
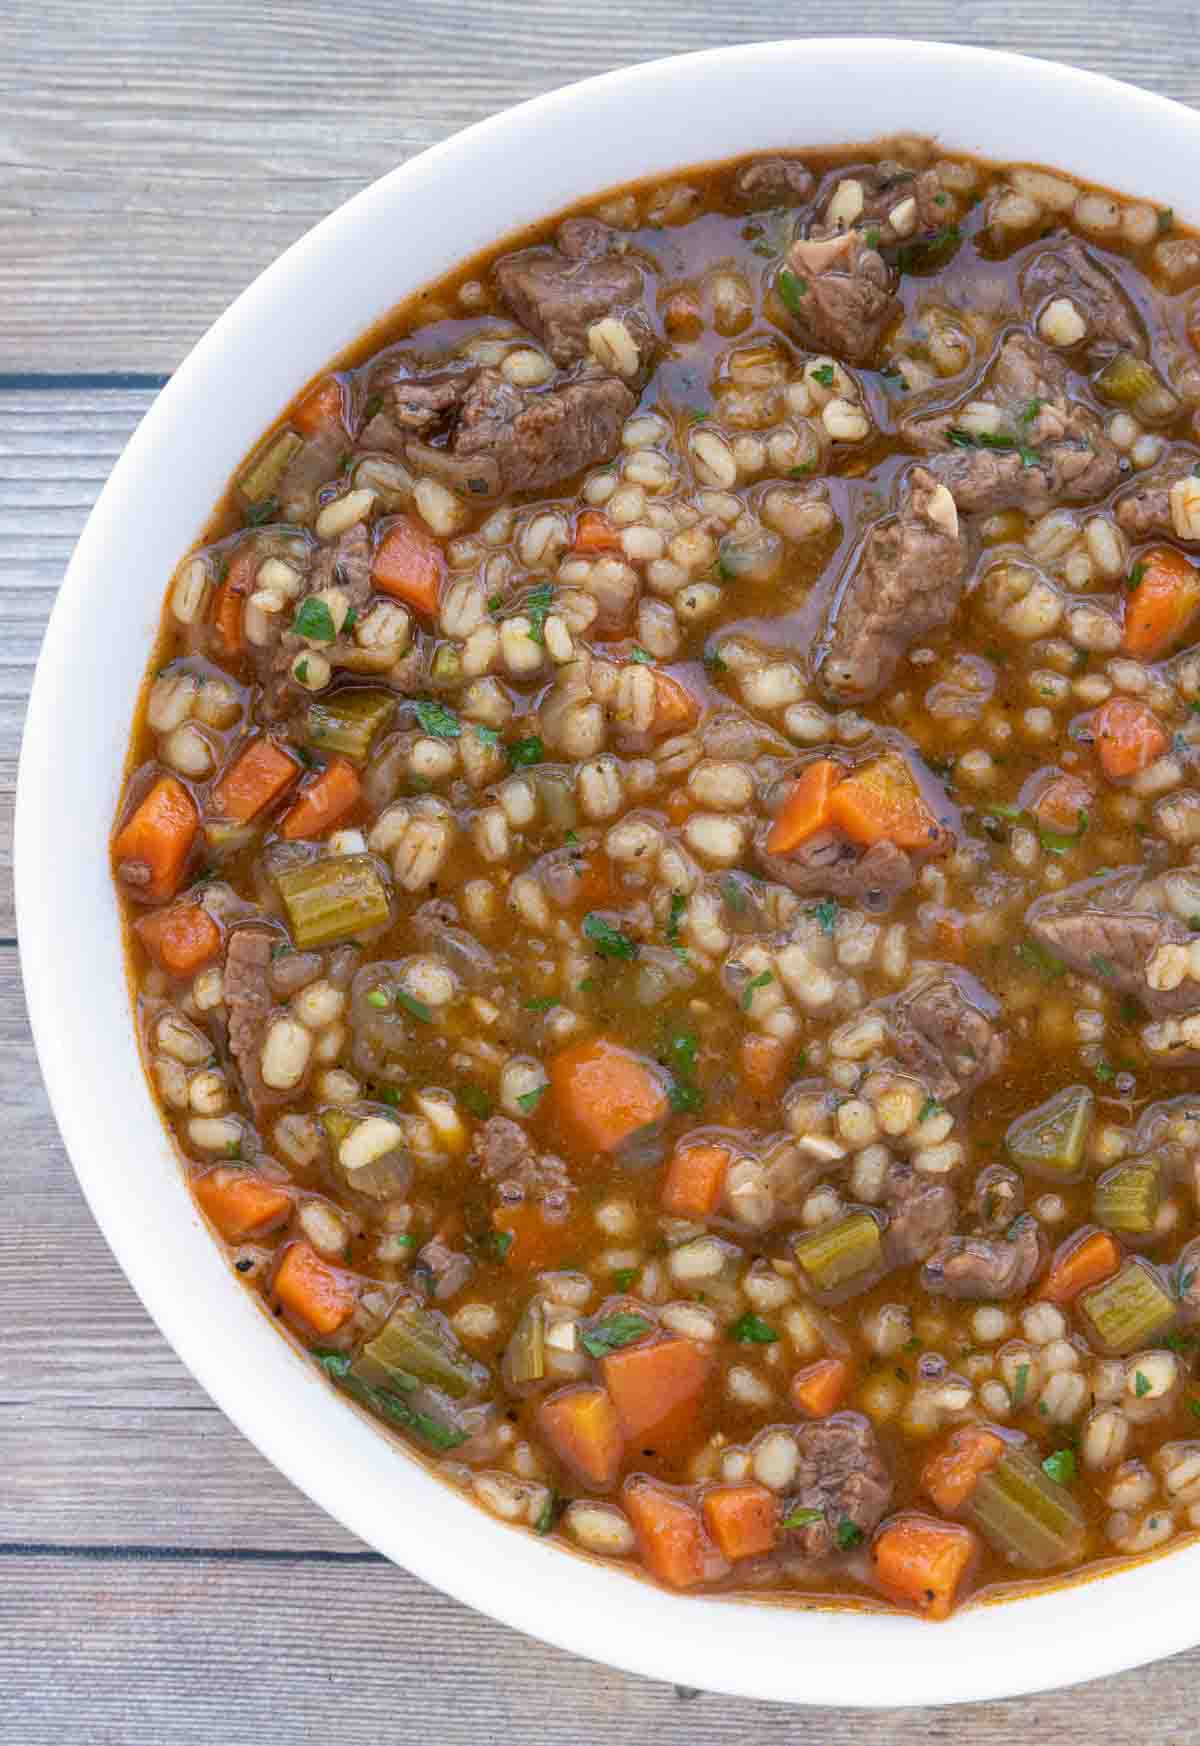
(525, 1354)
(348, 722)
(1028, 1517)
(1050, 1139)
(413, 1344)
(1128, 1197)
(269, 464)
(1128, 1310)
(839, 1253)
(333, 899)
(1125, 379)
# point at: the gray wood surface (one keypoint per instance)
(159, 1582)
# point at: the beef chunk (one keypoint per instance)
(887, 189)
(1146, 511)
(537, 440)
(772, 182)
(1066, 269)
(1111, 931)
(248, 1003)
(1058, 453)
(841, 1474)
(420, 403)
(829, 865)
(907, 582)
(920, 1213)
(943, 1032)
(504, 1155)
(558, 293)
(972, 1268)
(843, 301)
(446, 1270)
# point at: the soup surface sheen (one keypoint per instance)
(661, 859)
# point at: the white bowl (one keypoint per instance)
(403, 231)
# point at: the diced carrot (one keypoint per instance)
(1060, 804)
(806, 809)
(675, 709)
(1128, 737)
(820, 1388)
(923, 1562)
(764, 1063)
(581, 1426)
(1081, 1263)
(669, 1534)
(595, 533)
(949, 1478)
(742, 1519)
(229, 602)
(692, 1185)
(321, 1296)
(537, 1242)
(323, 801)
(409, 565)
(1162, 604)
(321, 408)
(658, 1391)
(156, 839)
(881, 803)
(183, 938)
(260, 773)
(241, 1202)
(603, 1093)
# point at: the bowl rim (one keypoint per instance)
(95, 1082)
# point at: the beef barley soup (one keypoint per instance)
(662, 859)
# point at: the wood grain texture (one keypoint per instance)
(157, 157)
(160, 1583)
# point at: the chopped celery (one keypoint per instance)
(1125, 378)
(525, 1355)
(1028, 1517)
(338, 1123)
(447, 664)
(348, 722)
(837, 1254)
(1130, 1309)
(414, 1346)
(1128, 1197)
(333, 899)
(268, 465)
(1051, 1138)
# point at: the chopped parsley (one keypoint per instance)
(436, 720)
(624, 1277)
(1060, 1466)
(848, 1534)
(476, 1101)
(1141, 1384)
(1136, 574)
(529, 1100)
(262, 512)
(497, 1244)
(388, 1405)
(1101, 965)
(826, 913)
(675, 916)
(801, 1518)
(712, 657)
(548, 1513)
(755, 983)
(735, 896)
(1030, 411)
(930, 1108)
(640, 655)
(791, 289)
(537, 608)
(824, 374)
(541, 1005)
(486, 736)
(751, 1330)
(685, 1099)
(1039, 959)
(609, 942)
(416, 1007)
(613, 1332)
(682, 1048)
(314, 622)
(527, 751)
(928, 251)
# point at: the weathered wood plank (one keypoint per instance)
(155, 158)
(147, 1652)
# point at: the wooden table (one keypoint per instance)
(160, 1584)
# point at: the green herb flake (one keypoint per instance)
(801, 1518)
(314, 621)
(541, 1005)
(537, 609)
(387, 1405)
(259, 514)
(529, 1100)
(826, 914)
(755, 983)
(682, 1049)
(1141, 1384)
(1101, 965)
(640, 655)
(1105, 1072)
(1030, 411)
(848, 1534)
(735, 896)
(675, 916)
(791, 290)
(416, 1007)
(614, 1332)
(824, 374)
(624, 1277)
(486, 736)
(476, 1102)
(751, 1330)
(379, 997)
(609, 941)
(525, 752)
(930, 1108)
(436, 720)
(712, 657)
(685, 1099)
(389, 1094)
(1060, 1466)
(1020, 1385)
(1136, 574)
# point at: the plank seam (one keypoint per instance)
(183, 1554)
(12, 381)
